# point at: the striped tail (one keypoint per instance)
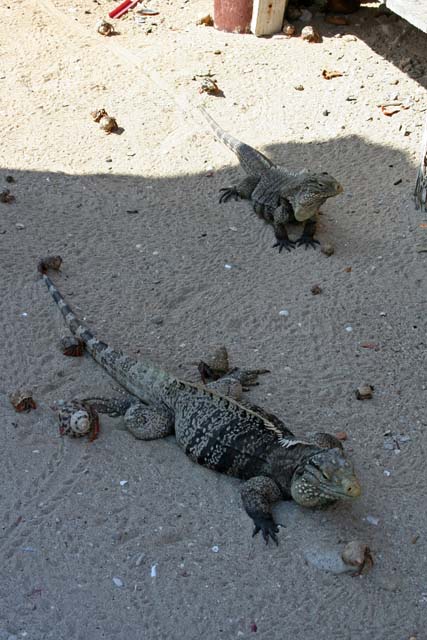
(252, 161)
(140, 378)
(80, 330)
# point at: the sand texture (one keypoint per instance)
(169, 554)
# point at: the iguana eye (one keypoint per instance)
(325, 475)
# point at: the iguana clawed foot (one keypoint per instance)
(284, 243)
(307, 241)
(217, 366)
(247, 377)
(268, 529)
(227, 193)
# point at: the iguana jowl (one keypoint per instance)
(220, 432)
(279, 196)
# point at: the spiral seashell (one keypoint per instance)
(77, 419)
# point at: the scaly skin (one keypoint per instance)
(219, 432)
(279, 196)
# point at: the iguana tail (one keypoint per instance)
(252, 161)
(142, 379)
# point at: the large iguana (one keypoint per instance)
(279, 196)
(217, 431)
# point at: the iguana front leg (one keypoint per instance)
(307, 237)
(282, 238)
(241, 191)
(258, 495)
(281, 217)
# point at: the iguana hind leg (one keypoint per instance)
(216, 366)
(227, 386)
(146, 423)
(241, 191)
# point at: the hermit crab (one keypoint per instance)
(72, 346)
(22, 401)
(51, 262)
(105, 28)
(357, 554)
(106, 122)
(77, 418)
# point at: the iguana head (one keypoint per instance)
(324, 477)
(314, 189)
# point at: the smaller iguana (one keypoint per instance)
(279, 196)
(214, 429)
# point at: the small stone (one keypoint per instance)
(387, 473)
(349, 38)
(364, 392)
(326, 112)
(349, 328)
(284, 312)
(19, 225)
(10, 179)
(153, 571)
(157, 320)
(316, 289)
(309, 34)
(217, 52)
(139, 559)
(118, 582)
(215, 549)
(328, 249)
(299, 87)
(326, 559)
(123, 483)
(372, 520)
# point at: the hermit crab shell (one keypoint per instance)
(108, 124)
(22, 401)
(77, 419)
(104, 28)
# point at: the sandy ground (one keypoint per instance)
(154, 283)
